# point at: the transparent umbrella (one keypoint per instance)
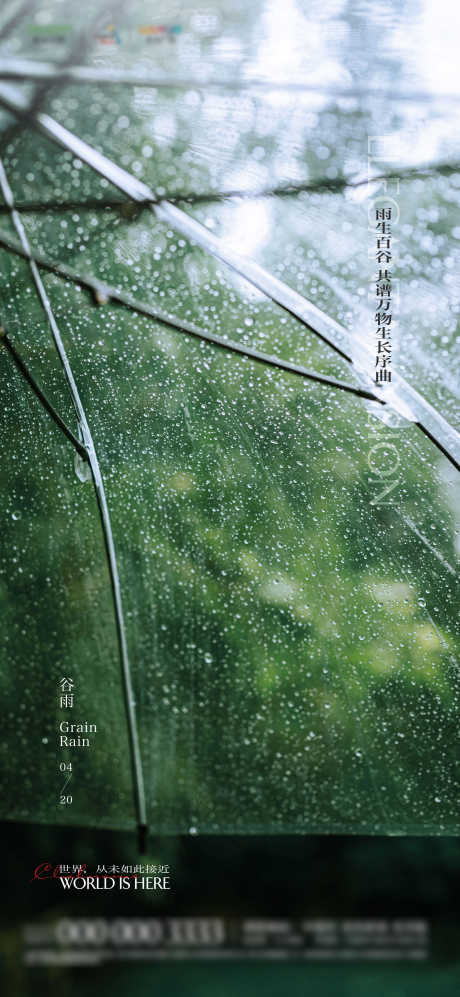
(229, 555)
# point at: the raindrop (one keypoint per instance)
(82, 468)
(101, 298)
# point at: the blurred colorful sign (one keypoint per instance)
(106, 35)
(49, 32)
(158, 32)
(109, 37)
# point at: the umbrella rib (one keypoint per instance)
(80, 45)
(291, 301)
(104, 292)
(16, 17)
(47, 86)
(28, 376)
(30, 69)
(136, 763)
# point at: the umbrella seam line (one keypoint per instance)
(143, 308)
(45, 402)
(282, 190)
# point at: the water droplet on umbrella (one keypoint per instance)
(82, 468)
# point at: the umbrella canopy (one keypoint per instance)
(229, 583)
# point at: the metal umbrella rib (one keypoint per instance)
(26, 7)
(87, 440)
(30, 69)
(432, 424)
